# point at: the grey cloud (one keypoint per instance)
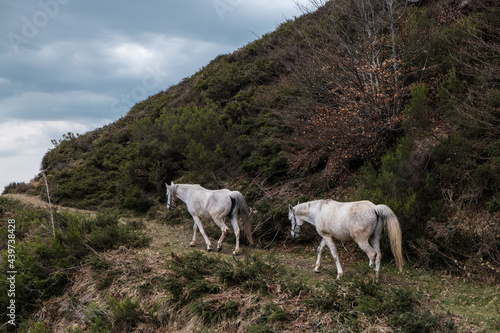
(79, 64)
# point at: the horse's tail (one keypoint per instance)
(240, 206)
(391, 223)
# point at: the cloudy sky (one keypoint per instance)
(76, 65)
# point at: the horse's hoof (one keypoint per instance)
(219, 249)
(209, 250)
(191, 245)
(235, 253)
(317, 271)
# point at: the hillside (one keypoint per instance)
(139, 275)
(397, 102)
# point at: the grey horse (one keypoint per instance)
(212, 204)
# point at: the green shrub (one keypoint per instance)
(401, 305)
(188, 280)
(214, 312)
(417, 111)
(274, 313)
(327, 299)
(19, 188)
(126, 314)
(393, 183)
(106, 232)
(39, 328)
(133, 198)
(97, 319)
(295, 287)
(252, 272)
(415, 322)
(268, 161)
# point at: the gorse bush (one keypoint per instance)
(188, 279)
(106, 232)
(126, 314)
(391, 182)
(252, 272)
(192, 272)
(400, 306)
(214, 312)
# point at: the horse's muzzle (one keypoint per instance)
(294, 235)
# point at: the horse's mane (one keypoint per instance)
(303, 209)
(190, 185)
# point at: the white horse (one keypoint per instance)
(214, 204)
(358, 221)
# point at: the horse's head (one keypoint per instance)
(296, 223)
(171, 195)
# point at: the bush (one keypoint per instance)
(106, 232)
(251, 272)
(126, 314)
(401, 305)
(394, 183)
(188, 281)
(327, 299)
(214, 312)
(19, 188)
(97, 319)
(417, 111)
(47, 261)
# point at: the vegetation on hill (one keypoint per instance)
(397, 102)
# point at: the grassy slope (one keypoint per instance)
(130, 289)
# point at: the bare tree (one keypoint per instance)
(353, 70)
(50, 203)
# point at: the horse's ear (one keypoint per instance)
(290, 208)
(171, 183)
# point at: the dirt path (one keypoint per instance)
(167, 237)
(39, 203)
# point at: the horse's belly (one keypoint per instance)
(341, 234)
(344, 237)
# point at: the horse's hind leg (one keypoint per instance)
(318, 261)
(370, 252)
(223, 228)
(375, 241)
(195, 228)
(234, 223)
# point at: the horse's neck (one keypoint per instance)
(184, 191)
(308, 211)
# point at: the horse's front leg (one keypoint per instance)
(197, 221)
(335, 255)
(318, 261)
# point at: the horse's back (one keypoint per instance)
(349, 210)
(345, 220)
